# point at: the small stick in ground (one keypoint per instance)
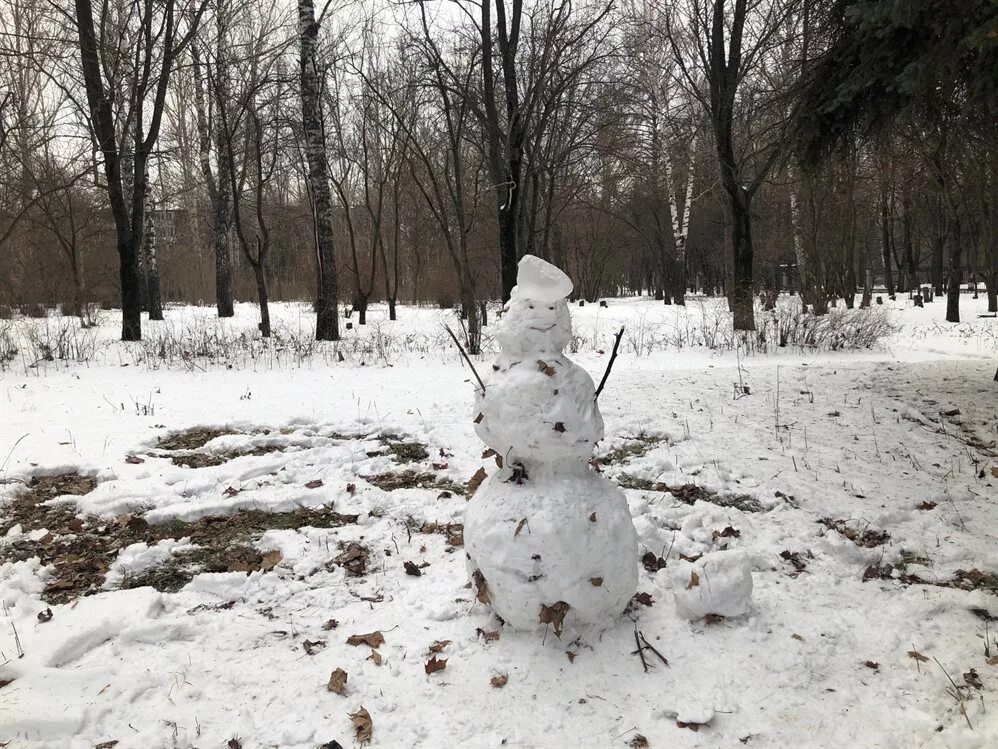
(652, 649)
(467, 358)
(640, 651)
(609, 364)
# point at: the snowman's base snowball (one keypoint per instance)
(563, 535)
(717, 583)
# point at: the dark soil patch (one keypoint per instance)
(83, 549)
(410, 479)
(635, 448)
(208, 460)
(689, 494)
(408, 452)
(28, 509)
(194, 438)
(864, 537)
(973, 579)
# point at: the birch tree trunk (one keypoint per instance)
(327, 323)
(151, 262)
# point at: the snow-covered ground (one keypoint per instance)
(861, 485)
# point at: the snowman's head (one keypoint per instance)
(536, 317)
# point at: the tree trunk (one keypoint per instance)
(885, 242)
(327, 321)
(955, 274)
(938, 245)
(264, 297)
(742, 298)
(391, 309)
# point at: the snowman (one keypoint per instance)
(549, 541)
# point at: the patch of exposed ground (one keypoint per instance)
(208, 460)
(193, 439)
(689, 494)
(864, 537)
(410, 479)
(973, 579)
(634, 448)
(82, 549)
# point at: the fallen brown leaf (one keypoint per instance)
(271, 559)
(554, 615)
(917, 656)
(435, 664)
(519, 527)
(314, 484)
(596, 581)
(482, 587)
(412, 569)
(973, 679)
(478, 419)
(872, 664)
(351, 488)
(797, 637)
(692, 726)
(376, 657)
(363, 725)
(571, 656)
(644, 599)
(45, 616)
(330, 624)
(134, 460)
(992, 661)
(337, 681)
(694, 581)
(233, 743)
(489, 635)
(107, 744)
(312, 647)
(439, 466)
(542, 366)
(592, 518)
(373, 639)
(231, 491)
(476, 481)
(499, 681)
(437, 646)
(559, 426)
(639, 742)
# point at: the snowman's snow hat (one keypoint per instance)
(539, 280)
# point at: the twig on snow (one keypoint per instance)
(640, 651)
(609, 364)
(466, 357)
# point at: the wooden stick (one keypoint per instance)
(652, 649)
(640, 651)
(609, 365)
(467, 358)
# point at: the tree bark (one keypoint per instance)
(955, 273)
(327, 321)
(885, 242)
(154, 299)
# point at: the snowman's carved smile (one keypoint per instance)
(543, 330)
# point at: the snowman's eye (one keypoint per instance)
(551, 307)
(531, 306)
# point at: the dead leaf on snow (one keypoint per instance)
(872, 665)
(337, 681)
(992, 661)
(692, 726)
(45, 616)
(592, 518)
(376, 657)
(994, 471)
(478, 419)
(917, 656)
(330, 624)
(499, 681)
(134, 460)
(363, 725)
(313, 646)
(353, 559)
(412, 569)
(519, 527)
(437, 646)
(482, 587)
(559, 426)
(596, 581)
(271, 559)
(973, 679)
(435, 664)
(107, 744)
(554, 615)
(644, 599)
(231, 491)
(639, 742)
(373, 639)
(314, 484)
(710, 619)
(351, 488)
(439, 466)
(571, 656)
(542, 366)
(489, 635)
(797, 637)
(234, 743)
(694, 581)
(476, 481)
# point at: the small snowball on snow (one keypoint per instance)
(718, 583)
(539, 280)
(15, 531)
